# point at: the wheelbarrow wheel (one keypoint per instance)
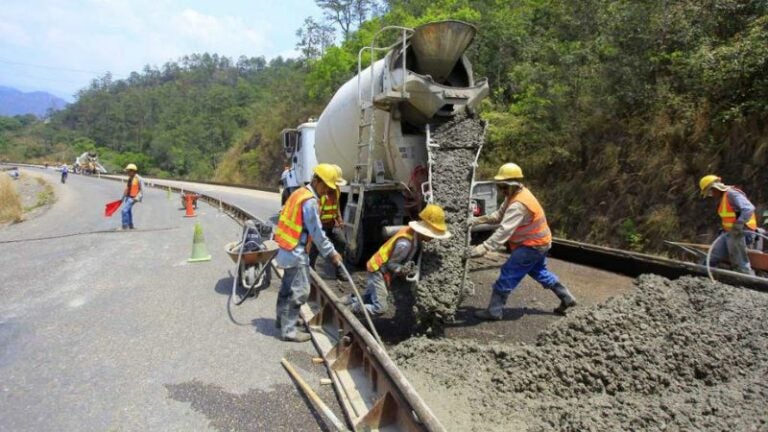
(252, 279)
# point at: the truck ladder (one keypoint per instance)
(366, 147)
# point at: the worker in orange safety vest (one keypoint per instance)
(133, 193)
(737, 215)
(391, 258)
(333, 224)
(523, 227)
(299, 224)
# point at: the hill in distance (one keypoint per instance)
(14, 102)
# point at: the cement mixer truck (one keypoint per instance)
(377, 126)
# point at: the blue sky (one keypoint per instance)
(59, 46)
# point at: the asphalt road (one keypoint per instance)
(116, 331)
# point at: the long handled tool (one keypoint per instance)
(314, 398)
(362, 305)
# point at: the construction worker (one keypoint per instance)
(391, 258)
(289, 182)
(298, 224)
(330, 217)
(737, 214)
(523, 226)
(133, 193)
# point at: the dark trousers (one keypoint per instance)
(339, 243)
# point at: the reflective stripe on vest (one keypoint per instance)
(536, 232)
(728, 214)
(134, 188)
(329, 207)
(289, 225)
(385, 251)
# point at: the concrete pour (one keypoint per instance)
(687, 354)
(440, 291)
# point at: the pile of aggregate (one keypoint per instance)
(440, 290)
(687, 354)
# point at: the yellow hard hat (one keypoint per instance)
(509, 171)
(340, 174)
(131, 167)
(707, 182)
(327, 174)
(432, 223)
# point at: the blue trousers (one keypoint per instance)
(524, 261)
(294, 291)
(127, 212)
(734, 249)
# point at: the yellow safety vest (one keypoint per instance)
(289, 225)
(382, 255)
(329, 207)
(536, 232)
(728, 215)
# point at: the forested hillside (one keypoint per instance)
(614, 109)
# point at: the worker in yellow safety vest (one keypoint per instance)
(737, 215)
(393, 255)
(297, 226)
(134, 190)
(333, 224)
(523, 227)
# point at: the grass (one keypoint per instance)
(10, 202)
(44, 197)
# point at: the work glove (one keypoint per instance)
(738, 227)
(478, 251)
(336, 259)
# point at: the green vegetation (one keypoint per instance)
(10, 202)
(44, 197)
(614, 109)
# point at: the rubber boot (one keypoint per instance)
(495, 307)
(567, 300)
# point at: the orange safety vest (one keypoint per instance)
(728, 215)
(536, 232)
(385, 251)
(290, 223)
(329, 207)
(133, 189)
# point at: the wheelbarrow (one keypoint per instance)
(758, 260)
(253, 274)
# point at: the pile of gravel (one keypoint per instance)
(439, 292)
(684, 354)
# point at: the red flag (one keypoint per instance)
(112, 207)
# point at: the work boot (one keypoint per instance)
(495, 311)
(300, 337)
(567, 300)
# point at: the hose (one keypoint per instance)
(712, 247)
(79, 234)
(362, 305)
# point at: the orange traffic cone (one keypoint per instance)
(190, 208)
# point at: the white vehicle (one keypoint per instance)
(88, 163)
(376, 128)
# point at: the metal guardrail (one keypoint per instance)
(374, 393)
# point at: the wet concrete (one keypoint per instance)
(440, 290)
(672, 355)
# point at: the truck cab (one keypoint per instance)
(299, 148)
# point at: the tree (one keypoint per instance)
(314, 39)
(345, 13)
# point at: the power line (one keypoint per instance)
(53, 67)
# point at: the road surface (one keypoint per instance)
(116, 331)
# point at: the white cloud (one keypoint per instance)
(123, 36)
